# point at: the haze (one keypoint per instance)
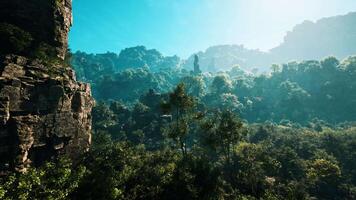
(183, 27)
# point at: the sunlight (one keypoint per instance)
(284, 7)
(178, 99)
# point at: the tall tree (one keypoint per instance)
(221, 132)
(180, 105)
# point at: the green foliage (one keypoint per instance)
(194, 85)
(54, 180)
(13, 39)
(130, 84)
(90, 67)
(212, 154)
(47, 54)
(221, 132)
(222, 158)
(180, 101)
(324, 177)
(181, 106)
(349, 65)
(187, 142)
(221, 84)
(297, 91)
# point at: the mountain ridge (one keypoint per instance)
(329, 36)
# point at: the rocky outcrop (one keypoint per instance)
(44, 111)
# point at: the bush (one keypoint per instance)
(13, 39)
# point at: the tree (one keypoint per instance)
(247, 170)
(53, 180)
(180, 105)
(221, 84)
(151, 99)
(230, 102)
(275, 68)
(330, 63)
(324, 177)
(293, 98)
(236, 71)
(194, 85)
(223, 135)
(349, 65)
(103, 117)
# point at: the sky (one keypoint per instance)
(184, 27)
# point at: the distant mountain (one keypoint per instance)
(308, 40)
(89, 66)
(137, 57)
(224, 57)
(329, 36)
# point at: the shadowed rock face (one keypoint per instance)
(47, 21)
(44, 111)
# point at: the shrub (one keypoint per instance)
(13, 39)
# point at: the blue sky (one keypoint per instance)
(183, 27)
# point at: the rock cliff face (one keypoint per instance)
(44, 111)
(46, 21)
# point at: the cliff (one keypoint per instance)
(44, 111)
(316, 40)
(331, 36)
(30, 27)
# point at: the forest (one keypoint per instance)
(228, 123)
(298, 92)
(179, 134)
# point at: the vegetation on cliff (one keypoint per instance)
(160, 130)
(196, 152)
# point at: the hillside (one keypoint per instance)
(145, 126)
(224, 57)
(329, 36)
(88, 66)
(307, 41)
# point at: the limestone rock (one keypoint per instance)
(43, 112)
